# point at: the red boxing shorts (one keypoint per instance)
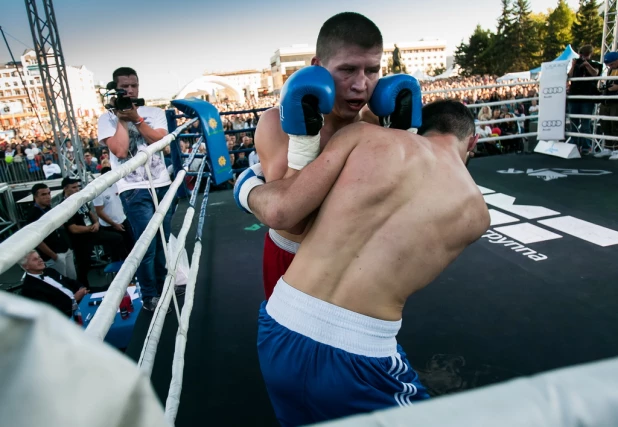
(278, 255)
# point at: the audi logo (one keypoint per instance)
(551, 123)
(552, 90)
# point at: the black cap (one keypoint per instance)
(68, 181)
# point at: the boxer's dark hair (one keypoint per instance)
(125, 72)
(347, 28)
(448, 117)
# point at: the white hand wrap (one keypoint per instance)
(413, 130)
(302, 150)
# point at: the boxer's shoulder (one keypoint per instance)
(269, 125)
(271, 144)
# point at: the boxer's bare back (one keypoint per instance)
(401, 210)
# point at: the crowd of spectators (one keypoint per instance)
(35, 148)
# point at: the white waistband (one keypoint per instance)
(332, 325)
(285, 244)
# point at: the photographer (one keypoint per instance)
(609, 107)
(126, 128)
(583, 67)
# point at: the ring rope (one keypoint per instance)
(17, 245)
(459, 89)
(514, 136)
(104, 317)
(496, 103)
(178, 363)
(592, 117)
(155, 200)
(149, 349)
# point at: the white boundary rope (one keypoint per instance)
(149, 349)
(104, 317)
(173, 395)
(29, 237)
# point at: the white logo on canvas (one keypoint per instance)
(526, 233)
(555, 173)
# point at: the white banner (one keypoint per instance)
(14, 107)
(552, 100)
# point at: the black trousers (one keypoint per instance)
(127, 238)
(83, 245)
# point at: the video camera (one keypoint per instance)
(122, 101)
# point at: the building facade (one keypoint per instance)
(286, 60)
(422, 55)
(15, 105)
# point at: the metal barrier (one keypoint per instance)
(23, 170)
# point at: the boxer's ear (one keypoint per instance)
(472, 142)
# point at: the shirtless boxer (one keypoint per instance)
(350, 47)
(396, 210)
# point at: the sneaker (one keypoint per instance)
(151, 304)
(614, 155)
(603, 153)
(180, 290)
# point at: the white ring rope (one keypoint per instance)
(19, 244)
(513, 119)
(173, 395)
(155, 200)
(514, 136)
(104, 317)
(592, 117)
(149, 349)
(496, 103)
(459, 89)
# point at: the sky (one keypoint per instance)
(170, 43)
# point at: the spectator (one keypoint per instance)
(48, 286)
(55, 249)
(610, 108)
(84, 233)
(90, 163)
(50, 169)
(584, 66)
(111, 214)
(125, 133)
(253, 158)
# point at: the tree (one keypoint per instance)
(539, 22)
(472, 57)
(559, 35)
(522, 40)
(588, 26)
(498, 51)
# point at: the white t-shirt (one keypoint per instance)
(155, 118)
(49, 170)
(112, 205)
(253, 158)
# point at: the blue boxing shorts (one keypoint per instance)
(321, 362)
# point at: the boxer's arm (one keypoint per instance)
(271, 144)
(285, 203)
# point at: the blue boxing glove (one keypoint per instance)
(305, 97)
(247, 181)
(398, 102)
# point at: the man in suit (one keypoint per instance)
(49, 286)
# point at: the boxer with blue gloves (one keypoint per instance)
(289, 137)
(306, 97)
(395, 209)
(398, 102)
